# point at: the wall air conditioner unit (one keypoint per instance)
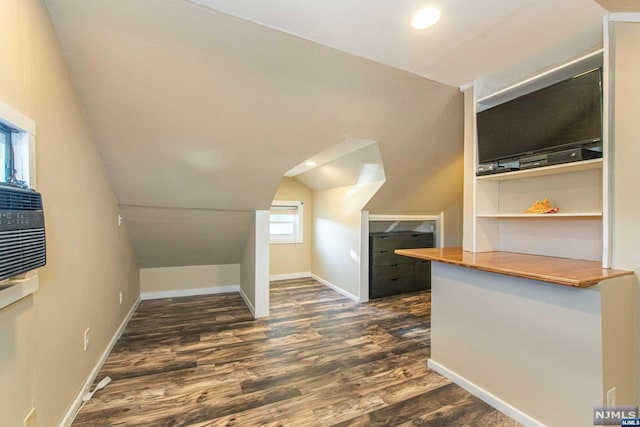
(22, 241)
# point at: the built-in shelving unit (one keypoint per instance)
(577, 189)
(545, 216)
(543, 171)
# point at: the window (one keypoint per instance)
(14, 156)
(285, 222)
(6, 155)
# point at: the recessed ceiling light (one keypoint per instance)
(425, 18)
(310, 163)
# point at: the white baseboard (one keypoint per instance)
(335, 288)
(289, 276)
(487, 397)
(189, 292)
(77, 402)
(249, 305)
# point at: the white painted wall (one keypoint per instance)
(625, 45)
(262, 263)
(535, 346)
(469, 168)
(254, 267)
(337, 235)
(166, 282)
(248, 270)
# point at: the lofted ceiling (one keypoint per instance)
(472, 39)
(198, 115)
(200, 108)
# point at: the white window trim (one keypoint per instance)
(12, 290)
(26, 136)
(299, 229)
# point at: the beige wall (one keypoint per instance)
(452, 217)
(90, 259)
(292, 258)
(337, 234)
(626, 174)
(164, 281)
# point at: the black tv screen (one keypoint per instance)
(567, 114)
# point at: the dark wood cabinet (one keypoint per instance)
(391, 274)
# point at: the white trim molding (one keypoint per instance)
(335, 288)
(77, 402)
(289, 276)
(18, 289)
(403, 217)
(485, 396)
(189, 292)
(248, 303)
(15, 118)
(624, 17)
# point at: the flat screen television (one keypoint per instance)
(564, 115)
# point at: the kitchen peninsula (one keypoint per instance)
(538, 337)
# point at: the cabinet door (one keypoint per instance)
(423, 274)
(381, 258)
(403, 241)
(380, 288)
(387, 272)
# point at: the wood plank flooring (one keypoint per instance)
(318, 360)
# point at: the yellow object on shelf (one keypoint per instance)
(542, 207)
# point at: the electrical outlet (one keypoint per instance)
(30, 420)
(611, 397)
(120, 297)
(86, 339)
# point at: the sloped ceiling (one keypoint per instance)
(361, 166)
(198, 115)
(473, 38)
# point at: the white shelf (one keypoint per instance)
(543, 171)
(544, 216)
(18, 290)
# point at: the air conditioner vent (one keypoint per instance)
(22, 234)
(19, 199)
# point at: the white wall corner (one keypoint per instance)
(262, 264)
(439, 230)
(364, 256)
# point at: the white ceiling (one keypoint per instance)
(473, 38)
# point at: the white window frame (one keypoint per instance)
(299, 226)
(23, 136)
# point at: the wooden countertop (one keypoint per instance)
(561, 271)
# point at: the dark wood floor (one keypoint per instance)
(318, 360)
